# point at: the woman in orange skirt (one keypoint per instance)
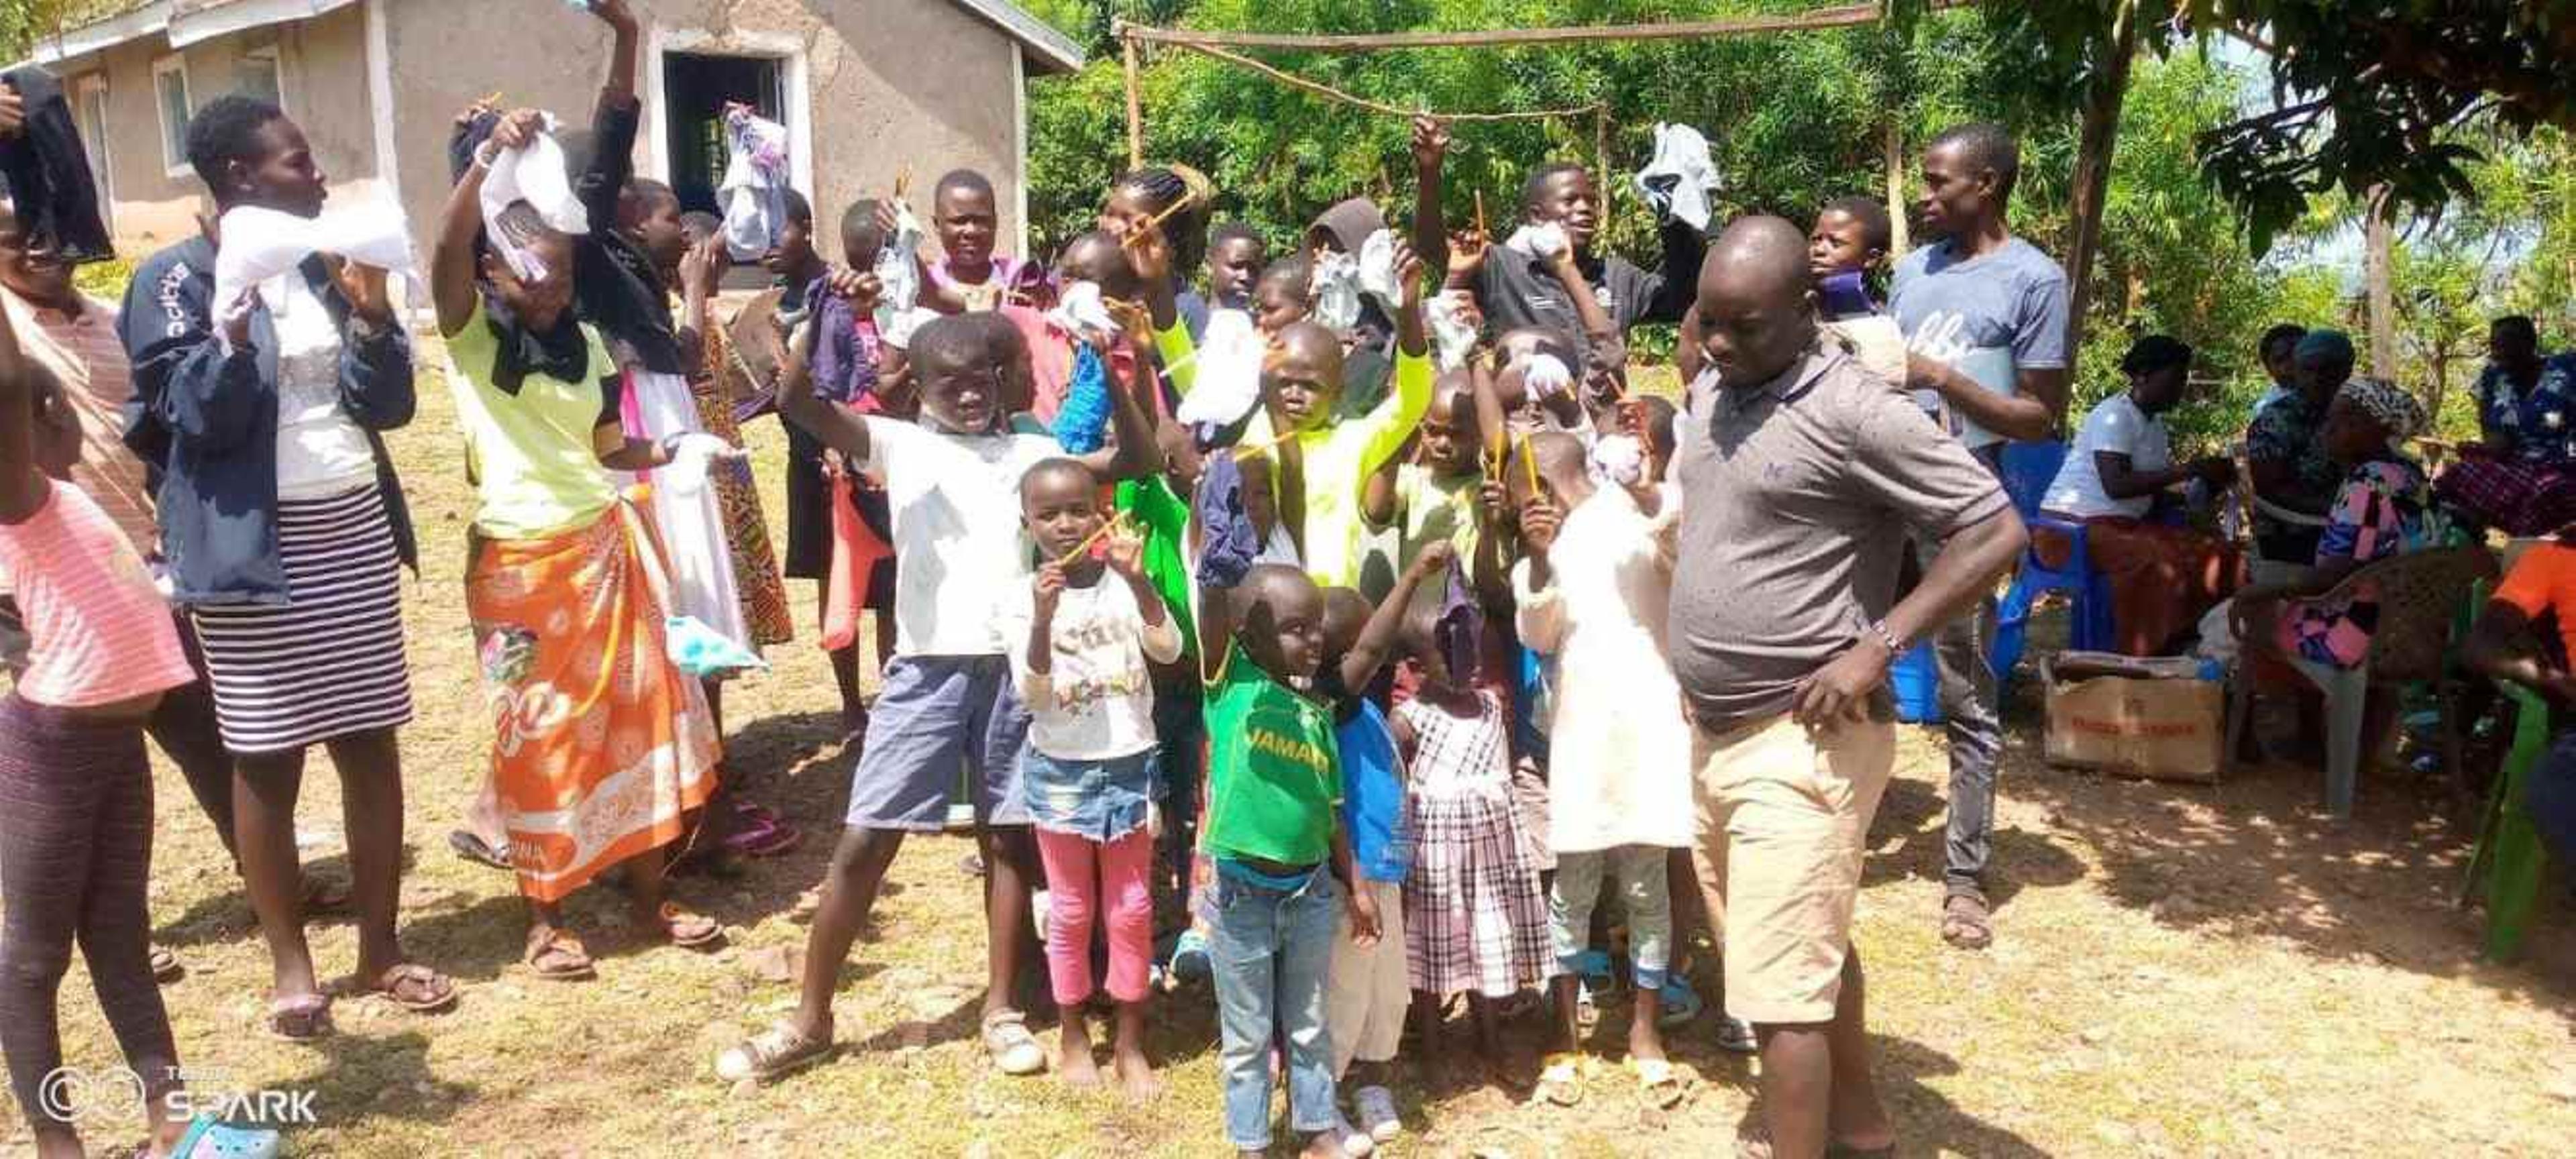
(602, 748)
(2162, 578)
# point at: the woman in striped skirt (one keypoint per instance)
(286, 533)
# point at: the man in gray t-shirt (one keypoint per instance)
(1799, 472)
(1985, 321)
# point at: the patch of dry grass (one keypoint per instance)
(2203, 971)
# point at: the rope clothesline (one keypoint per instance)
(1844, 16)
(1328, 92)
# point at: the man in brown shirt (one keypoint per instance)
(1800, 475)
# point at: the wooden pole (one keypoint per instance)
(1844, 16)
(1135, 98)
(2100, 132)
(1897, 242)
(2378, 238)
(1601, 155)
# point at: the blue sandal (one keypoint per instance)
(211, 1139)
(1679, 1003)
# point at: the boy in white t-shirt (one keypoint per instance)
(952, 483)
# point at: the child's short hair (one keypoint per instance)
(859, 228)
(1104, 261)
(799, 210)
(1876, 232)
(699, 225)
(962, 180)
(1059, 466)
(953, 340)
(1292, 272)
(1539, 177)
(647, 192)
(1233, 231)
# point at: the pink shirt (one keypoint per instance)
(99, 631)
(84, 352)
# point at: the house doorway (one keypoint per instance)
(695, 89)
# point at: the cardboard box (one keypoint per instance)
(2160, 719)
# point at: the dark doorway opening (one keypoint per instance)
(695, 89)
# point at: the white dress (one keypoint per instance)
(1619, 745)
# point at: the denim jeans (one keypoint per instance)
(1964, 648)
(1271, 950)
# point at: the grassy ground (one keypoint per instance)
(2180, 970)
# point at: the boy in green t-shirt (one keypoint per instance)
(1272, 832)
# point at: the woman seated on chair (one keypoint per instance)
(2525, 636)
(2520, 477)
(2382, 509)
(2291, 476)
(2162, 577)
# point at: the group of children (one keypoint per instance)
(1397, 667)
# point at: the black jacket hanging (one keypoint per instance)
(48, 173)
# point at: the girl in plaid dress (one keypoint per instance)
(1475, 919)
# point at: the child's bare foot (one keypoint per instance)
(1136, 1075)
(1073, 1054)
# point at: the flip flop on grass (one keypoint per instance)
(416, 988)
(476, 850)
(688, 930)
(559, 957)
(1663, 1086)
(305, 1018)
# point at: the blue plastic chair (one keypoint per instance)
(2092, 631)
(2027, 470)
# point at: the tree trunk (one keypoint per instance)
(1135, 104)
(1897, 242)
(2379, 291)
(2099, 134)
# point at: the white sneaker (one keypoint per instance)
(1355, 1142)
(1376, 1106)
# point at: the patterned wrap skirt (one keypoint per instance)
(601, 746)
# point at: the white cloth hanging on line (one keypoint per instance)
(754, 190)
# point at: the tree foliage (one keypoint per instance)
(2363, 92)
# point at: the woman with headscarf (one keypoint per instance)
(2162, 577)
(2383, 509)
(2292, 476)
(601, 748)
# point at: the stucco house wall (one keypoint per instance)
(887, 83)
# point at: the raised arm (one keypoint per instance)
(22, 483)
(833, 426)
(613, 122)
(1676, 285)
(1430, 221)
(1132, 453)
(452, 254)
(1377, 637)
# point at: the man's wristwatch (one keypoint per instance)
(1887, 639)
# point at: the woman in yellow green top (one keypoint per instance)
(601, 748)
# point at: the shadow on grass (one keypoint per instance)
(2255, 856)
(2016, 859)
(1926, 1121)
(379, 1077)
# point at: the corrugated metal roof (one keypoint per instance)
(113, 22)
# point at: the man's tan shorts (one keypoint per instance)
(1783, 822)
